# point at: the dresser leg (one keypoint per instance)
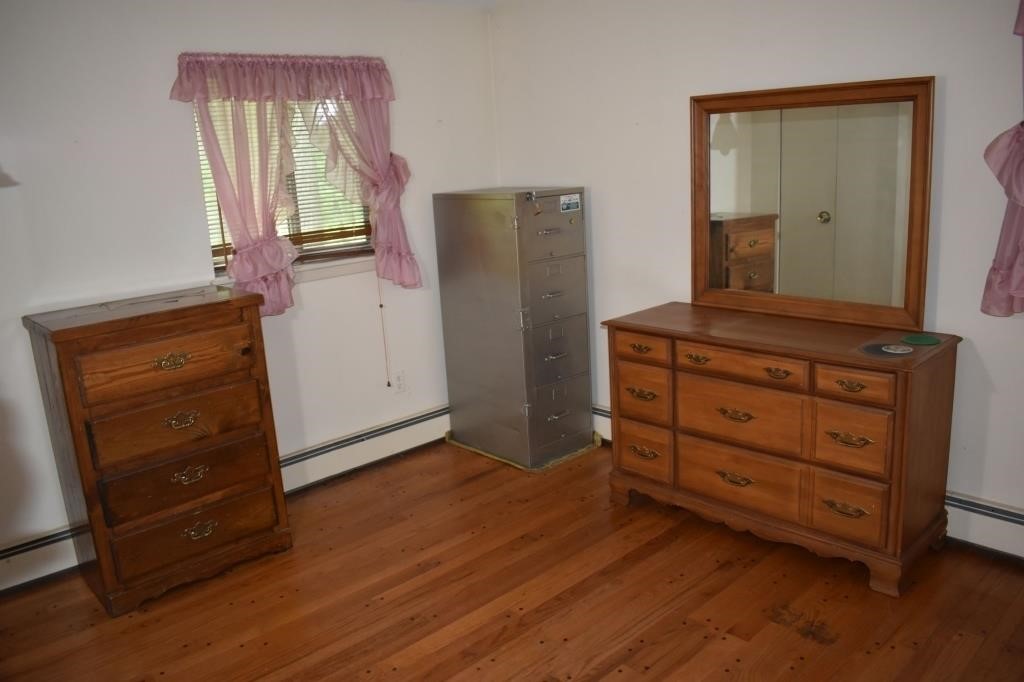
(887, 579)
(619, 494)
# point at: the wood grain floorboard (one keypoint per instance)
(444, 565)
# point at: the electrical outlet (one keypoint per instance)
(399, 382)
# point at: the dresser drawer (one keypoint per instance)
(853, 437)
(123, 372)
(193, 534)
(760, 417)
(849, 507)
(755, 275)
(644, 450)
(861, 385)
(150, 490)
(547, 232)
(771, 370)
(559, 350)
(750, 243)
(757, 482)
(194, 418)
(643, 347)
(645, 392)
(557, 290)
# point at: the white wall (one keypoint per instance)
(109, 203)
(597, 92)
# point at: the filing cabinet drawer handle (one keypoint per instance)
(735, 415)
(190, 474)
(554, 356)
(171, 361)
(850, 386)
(201, 529)
(640, 348)
(698, 359)
(735, 479)
(560, 415)
(642, 394)
(849, 440)
(644, 453)
(843, 509)
(182, 420)
(547, 232)
(777, 373)
(550, 295)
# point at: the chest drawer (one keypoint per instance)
(853, 437)
(645, 392)
(755, 275)
(760, 483)
(861, 385)
(849, 507)
(644, 450)
(558, 289)
(643, 347)
(174, 361)
(194, 418)
(150, 490)
(751, 243)
(193, 534)
(771, 370)
(759, 417)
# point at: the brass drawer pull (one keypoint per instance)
(182, 420)
(752, 275)
(735, 415)
(171, 361)
(777, 373)
(549, 231)
(550, 295)
(554, 356)
(640, 348)
(560, 415)
(844, 509)
(190, 474)
(698, 359)
(201, 529)
(753, 242)
(735, 479)
(642, 394)
(644, 453)
(849, 440)
(851, 386)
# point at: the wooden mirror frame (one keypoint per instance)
(919, 91)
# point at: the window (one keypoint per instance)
(325, 223)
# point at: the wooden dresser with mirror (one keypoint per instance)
(806, 411)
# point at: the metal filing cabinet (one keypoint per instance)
(513, 275)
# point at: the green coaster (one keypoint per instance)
(921, 340)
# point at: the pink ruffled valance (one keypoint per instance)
(254, 78)
(1004, 286)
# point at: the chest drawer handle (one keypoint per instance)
(849, 440)
(735, 479)
(851, 386)
(190, 474)
(547, 232)
(644, 453)
(640, 348)
(201, 529)
(561, 415)
(752, 243)
(550, 295)
(554, 356)
(698, 359)
(171, 361)
(735, 415)
(777, 373)
(752, 275)
(182, 420)
(843, 509)
(642, 394)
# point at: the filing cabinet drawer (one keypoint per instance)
(861, 385)
(193, 534)
(548, 232)
(644, 450)
(771, 370)
(154, 489)
(557, 290)
(853, 437)
(759, 417)
(750, 243)
(849, 507)
(561, 410)
(174, 361)
(643, 347)
(645, 392)
(764, 484)
(135, 434)
(559, 350)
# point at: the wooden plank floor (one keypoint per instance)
(444, 565)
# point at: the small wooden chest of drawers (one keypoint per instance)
(786, 428)
(742, 250)
(160, 420)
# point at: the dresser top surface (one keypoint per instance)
(815, 339)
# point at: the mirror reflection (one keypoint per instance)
(812, 202)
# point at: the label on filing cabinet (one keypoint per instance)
(569, 202)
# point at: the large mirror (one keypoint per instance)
(813, 202)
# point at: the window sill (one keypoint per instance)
(310, 272)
